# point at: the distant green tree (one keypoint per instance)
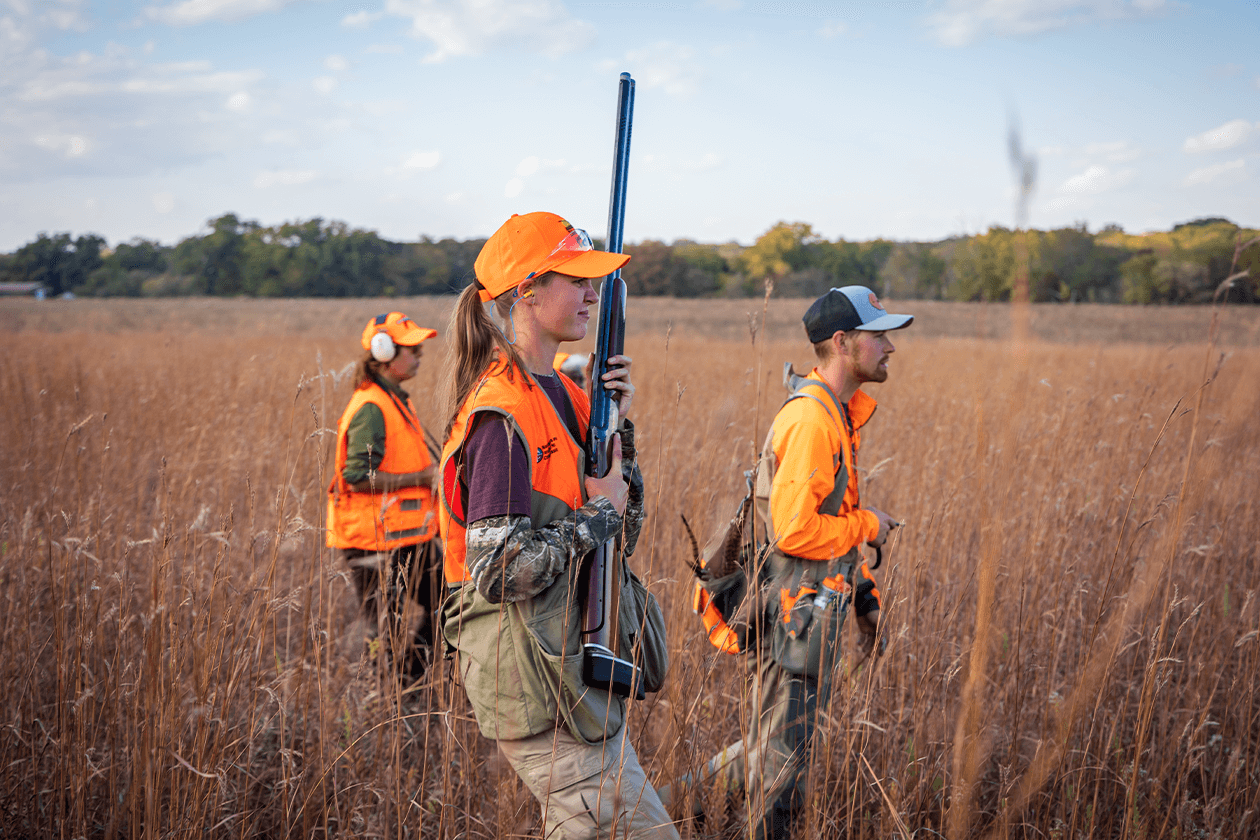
(1073, 266)
(779, 250)
(215, 261)
(704, 269)
(435, 268)
(60, 263)
(983, 266)
(1140, 284)
(142, 255)
(652, 269)
(913, 270)
(123, 271)
(684, 269)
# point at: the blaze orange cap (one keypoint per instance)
(530, 246)
(398, 327)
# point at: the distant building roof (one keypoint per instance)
(20, 288)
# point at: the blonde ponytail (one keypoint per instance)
(477, 343)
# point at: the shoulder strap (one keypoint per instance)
(797, 384)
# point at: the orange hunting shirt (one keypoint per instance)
(809, 441)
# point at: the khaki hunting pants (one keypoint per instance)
(589, 791)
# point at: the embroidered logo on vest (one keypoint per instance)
(547, 450)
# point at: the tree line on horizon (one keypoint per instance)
(1195, 262)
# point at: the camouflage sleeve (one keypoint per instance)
(509, 560)
(634, 504)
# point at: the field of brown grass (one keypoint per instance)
(1074, 638)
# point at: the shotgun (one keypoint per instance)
(601, 666)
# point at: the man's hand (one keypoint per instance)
(886, 524)
(868, 631)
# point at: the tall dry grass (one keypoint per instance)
(1070, 606)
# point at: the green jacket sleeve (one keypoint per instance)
(365, 443)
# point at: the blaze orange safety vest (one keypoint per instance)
(382, 521)
(556, 464)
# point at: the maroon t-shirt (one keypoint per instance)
(497, 463)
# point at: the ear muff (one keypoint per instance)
(383, 349)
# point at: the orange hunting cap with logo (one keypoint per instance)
(401, 329)
(529, 246)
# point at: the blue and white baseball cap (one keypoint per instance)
(849, 308)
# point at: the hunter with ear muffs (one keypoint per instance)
(810, 564)
(382, 508)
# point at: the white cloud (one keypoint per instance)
(192, 12)
(533, 164)
(723, 5)
(708, 160)
(1096, 179)
(361, 19)
(1210, 173)
(833, 29)
(513, 188)
(280, 137)
(324, 84)
(129, 115)
(89, 76)
(672, 67)
(25, 19)
(473, 27)
(962, 22)
(163, 202)
(1061, 203)
(1217, 139)
(336, 63)
(1116, 152)
(423, 160)
(283, 178)
(67, 145)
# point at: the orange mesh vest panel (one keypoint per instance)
(556, 463)
(382, 521)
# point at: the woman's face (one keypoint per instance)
(562, 308)
(404, 364)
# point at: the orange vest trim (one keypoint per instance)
(382, 521)
(556, 466)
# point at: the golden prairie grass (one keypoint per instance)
(1073, 632)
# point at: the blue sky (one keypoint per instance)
(443, 117)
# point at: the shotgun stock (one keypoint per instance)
(601, 666)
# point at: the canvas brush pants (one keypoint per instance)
(589, 791)
(771, 766)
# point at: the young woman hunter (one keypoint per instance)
(518, 516)
(382, 508)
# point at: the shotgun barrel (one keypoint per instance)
(601, 666)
